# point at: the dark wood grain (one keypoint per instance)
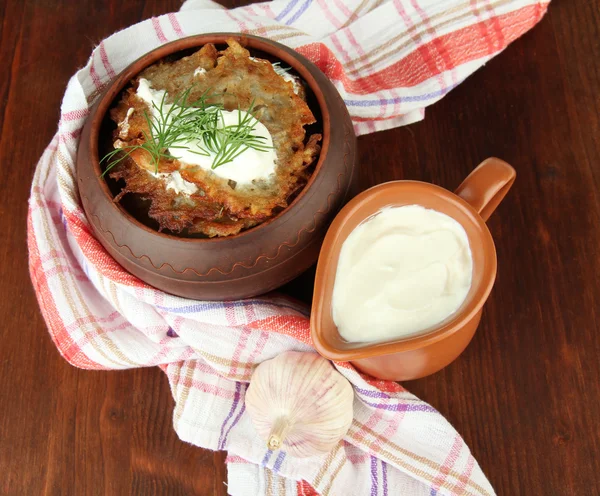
(526, 393)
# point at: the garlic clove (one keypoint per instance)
(299, 403)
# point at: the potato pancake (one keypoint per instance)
(200, 200)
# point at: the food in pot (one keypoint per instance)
(216, 141)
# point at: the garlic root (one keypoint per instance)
(278, 433)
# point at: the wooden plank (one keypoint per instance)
(524, 394)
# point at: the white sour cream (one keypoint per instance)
(174, 181)
(250, 165)
(124, 124)
(400, 273)
(247, 167)
(147, 93)
(180, 185)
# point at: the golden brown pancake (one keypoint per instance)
(220, 207)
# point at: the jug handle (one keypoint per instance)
(487, 185)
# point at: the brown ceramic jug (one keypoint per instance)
(416, 356)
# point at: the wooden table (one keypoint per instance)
(525, 395)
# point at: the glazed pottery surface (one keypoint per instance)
(421, 355)
(254, 261)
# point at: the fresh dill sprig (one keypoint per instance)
(173, 125)
(226, 142)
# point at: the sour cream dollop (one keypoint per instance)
(400, 273)
(250, 165)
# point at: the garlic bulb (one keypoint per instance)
(299, 403)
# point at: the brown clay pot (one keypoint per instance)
(252, 262)
(421, 355)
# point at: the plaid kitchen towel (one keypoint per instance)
(389, 60)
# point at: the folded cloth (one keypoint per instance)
(389, 60)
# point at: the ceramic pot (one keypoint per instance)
(254, 261)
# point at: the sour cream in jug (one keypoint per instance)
(400, 273)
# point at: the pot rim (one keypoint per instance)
(297, 61)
